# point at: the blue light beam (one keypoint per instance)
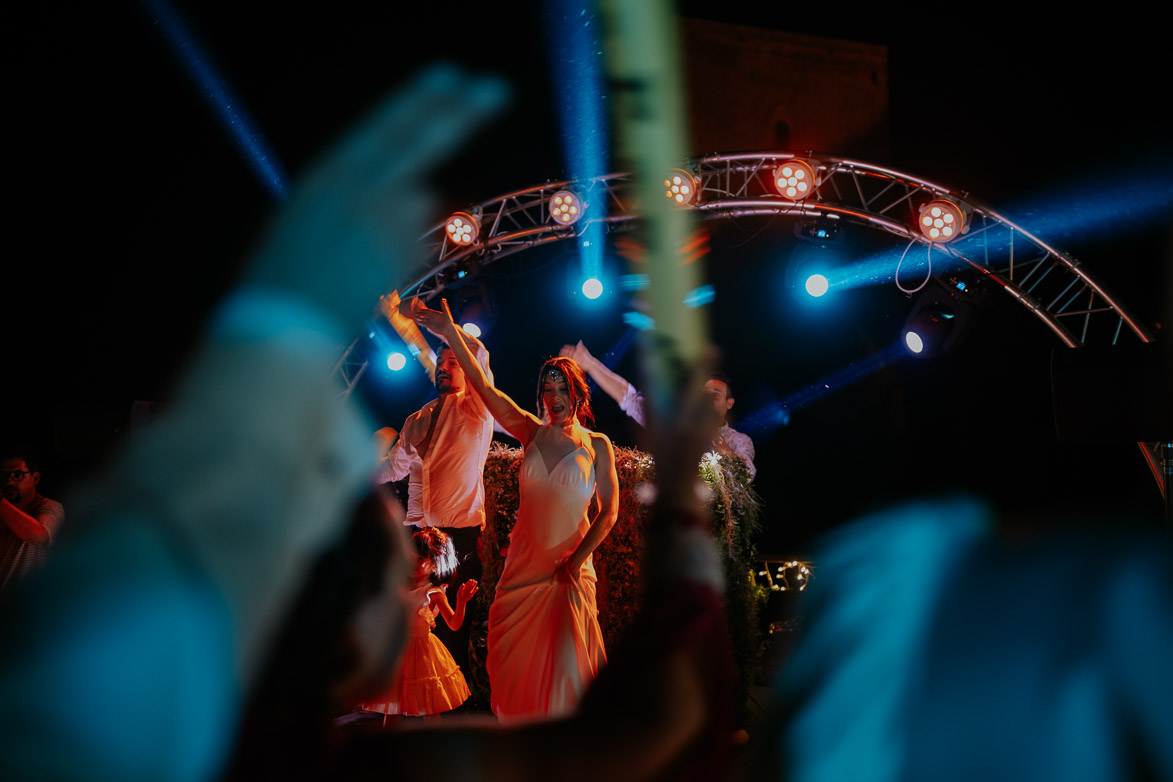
(220, 98)
(1136, 197)
(575, 53)
(765, 420)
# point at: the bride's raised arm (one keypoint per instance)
(516, 421)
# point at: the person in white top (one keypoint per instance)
(441, 450)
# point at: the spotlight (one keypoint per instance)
(592, 288)
(681, 187)
(795, 179)
(462, 229)
(396, 361)
(565, 208)
(475, 305)
(942, 220)
(817, 285)
(812, 266)
(938, 322)
(927, 333)
(472, 329)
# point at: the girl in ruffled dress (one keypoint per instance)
(429, 681)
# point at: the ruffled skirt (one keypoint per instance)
(429, 681)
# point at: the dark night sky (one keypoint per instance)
(132, 210)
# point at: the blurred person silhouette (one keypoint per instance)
(30, 520)
(146, 630)
(338, 644)
(934, 650)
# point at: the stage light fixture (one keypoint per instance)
(822, 231)
(681, 187)
(462, 229)
(396, 361)
(795, 179)
(459, 273)
(817, 285)
(927, 333)
(592, 288)
(942, 220)
(474, 304)
(565, 208)
(812, 270)
(939, 321)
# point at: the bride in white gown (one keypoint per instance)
(545, 645)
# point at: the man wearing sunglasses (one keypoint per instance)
(30, 521)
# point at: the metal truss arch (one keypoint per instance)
(1048, 282)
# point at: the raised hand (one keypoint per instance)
(439, 323)
(577, 352)
(466, 591)
(580, 353)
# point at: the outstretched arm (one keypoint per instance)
(516, 421)
(614, 384)
(607, 491)
(455, 617)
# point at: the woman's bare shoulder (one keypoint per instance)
(600, 442)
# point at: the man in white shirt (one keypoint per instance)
(441, 450)
(729, 441)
